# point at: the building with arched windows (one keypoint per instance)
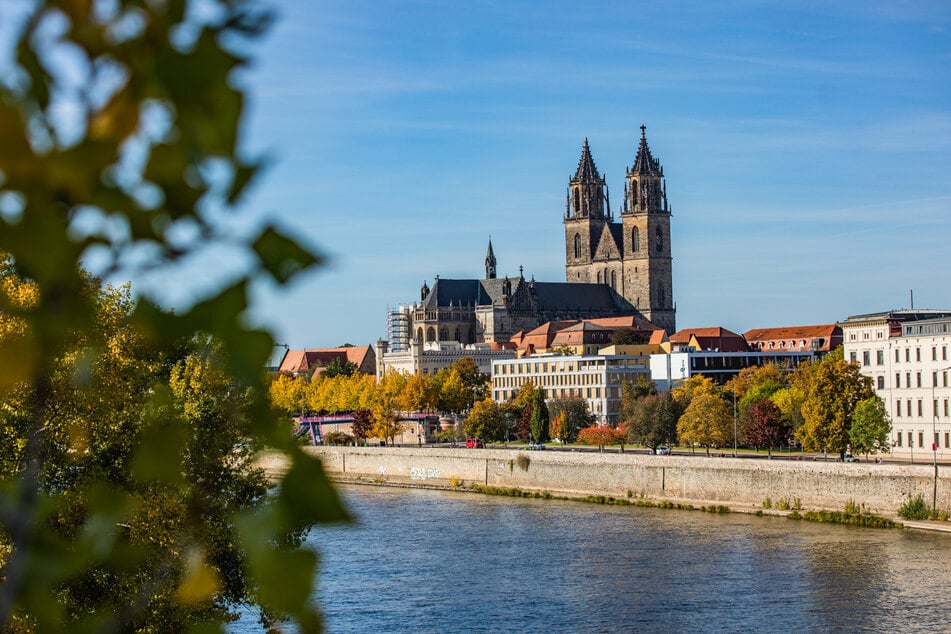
(632, 256)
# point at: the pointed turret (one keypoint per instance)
(645, 187)
(587, 171)
(490, 262)
(586, 189)
(645, 163)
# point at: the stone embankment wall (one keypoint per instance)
(882, 488)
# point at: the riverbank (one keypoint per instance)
(740, 484)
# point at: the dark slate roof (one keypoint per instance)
(576, 296)
(462, 293)
(550, 295)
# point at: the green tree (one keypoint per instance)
(539, 421)
(870, 427)
(108, 517)
(652, 421)
(475, 381)
(486, 421)
(573, 415)
(707, 422)
(640, 388)
(836, 389)
(336, 367)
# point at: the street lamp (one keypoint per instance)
(934, 435)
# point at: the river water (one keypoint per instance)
(435, 561)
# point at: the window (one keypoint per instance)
(881, 383)
(880, 357)
(577, 245)
(852, 357)
(934, 353)
(947, 440)
(898, 439)
(918, 377)
(898, 379)
(659, 240)
(896, 355)
(614, 280)
(917, 354)
(866, 358)
(897, 408)
(921, 410)
(944, 353)
(909, 440)
(921, 439)
(934, 410)
(907, 379)
(908, 404)
(635, 239)
(934, 379)
(907, 354)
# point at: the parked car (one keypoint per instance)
(850, 458)
(474, 443)
(662, 450)
(536, 445)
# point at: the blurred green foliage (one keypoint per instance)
(128, 495)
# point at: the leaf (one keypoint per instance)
(306, 494)
(282, 256)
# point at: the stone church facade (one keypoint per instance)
(632, 256)
(613, 269)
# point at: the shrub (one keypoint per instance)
(916, 509)
(336, 438)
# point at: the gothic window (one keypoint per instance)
(443, 334)
(577, 202)
(577, 245)
(614, 280)
(634, 194)
(419, 334)
(661, 295)
(599, 277)
(459, 335)
(659, 237)
(635, 240)
(430, 334)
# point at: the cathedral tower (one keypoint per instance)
(645, 217)
(634, 255)
(586, 215)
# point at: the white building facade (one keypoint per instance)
(431, 357)
(907, 354)
(595, 378)
(598, 379)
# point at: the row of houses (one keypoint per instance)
(906, 353)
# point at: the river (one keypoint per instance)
(436, 561)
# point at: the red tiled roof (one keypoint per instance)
(712, 338)
(296, 361)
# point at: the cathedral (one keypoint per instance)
(612, 268)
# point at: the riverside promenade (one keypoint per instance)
(741, 484)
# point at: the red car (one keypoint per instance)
(474, 443)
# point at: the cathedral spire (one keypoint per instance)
(645, 163)
(587, 171)
(490, 262)
(586, 189)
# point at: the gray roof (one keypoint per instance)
(557, 296)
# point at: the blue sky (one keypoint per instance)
(807, 149)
